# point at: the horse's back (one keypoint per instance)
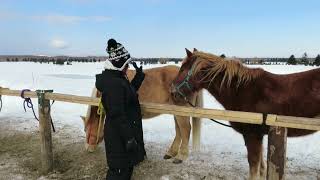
(298, 78)
(169, 71)
(299, 85)
(296, 94)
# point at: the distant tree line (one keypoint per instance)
(65, 60)
(304, 60)
(157, 60)
(54, 60)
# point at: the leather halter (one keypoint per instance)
(185, 83)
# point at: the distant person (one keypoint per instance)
(123, 133)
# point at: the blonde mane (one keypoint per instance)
(212, 65)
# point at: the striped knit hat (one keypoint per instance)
(118, 56)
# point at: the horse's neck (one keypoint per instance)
(156, 85)
(222, 94)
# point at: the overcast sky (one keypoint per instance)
(161, 28)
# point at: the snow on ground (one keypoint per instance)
(222, 156)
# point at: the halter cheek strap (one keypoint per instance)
(186, 83)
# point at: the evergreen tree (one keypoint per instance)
(223, 56)
(292, 60)
(304, 59)
(317, 61)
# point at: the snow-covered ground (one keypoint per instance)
(222, 156)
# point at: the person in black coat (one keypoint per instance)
(123, 133)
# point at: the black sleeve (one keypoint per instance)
(137, 80)
(116, 98)
(99, 82)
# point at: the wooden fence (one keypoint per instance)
(276, 140)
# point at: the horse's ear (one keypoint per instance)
(189, 53)
(195, 49)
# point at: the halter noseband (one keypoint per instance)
(186, 83)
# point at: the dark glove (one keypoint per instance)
(138, 69)
(138, 78)
(132, 145)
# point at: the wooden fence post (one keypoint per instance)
(45, 132)
(277, 147)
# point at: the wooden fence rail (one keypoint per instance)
(234, 116)
(277, 134)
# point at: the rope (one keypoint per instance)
(226, 125)
(27, 101)
(101, 112)
(40, 94)
(53, 129)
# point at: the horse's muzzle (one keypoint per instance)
(174, 93)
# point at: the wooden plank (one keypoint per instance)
(235, 116)
(277, 147)
(245, 117)
(45, 135)
(73, 99)
(294, 122)
(8, 92)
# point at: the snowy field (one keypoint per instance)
(222, 156)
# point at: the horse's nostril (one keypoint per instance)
(173, 89)
(173, 92)
(174, 95)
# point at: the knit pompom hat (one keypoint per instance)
(118, 56)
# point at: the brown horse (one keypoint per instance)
(154, 89)
(240, 88)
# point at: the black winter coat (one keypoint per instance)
(123, 117)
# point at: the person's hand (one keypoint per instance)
(138, 69)
(132, 145)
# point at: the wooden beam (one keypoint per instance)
(245, 117)
(277, 147)
(235, 116)
(73, 99)
(45, 134)
(8, 92)
(294, 122)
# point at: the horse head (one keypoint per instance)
(186, 82)
(93, 127)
